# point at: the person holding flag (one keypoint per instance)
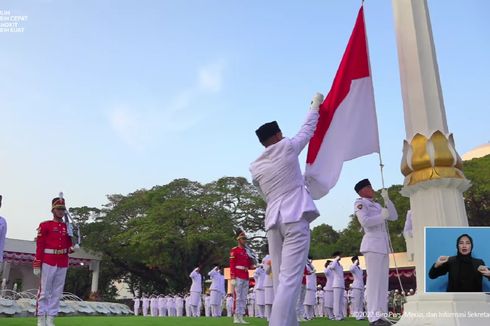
(375, 248)
(290, 209)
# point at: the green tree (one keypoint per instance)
(323, 236)
(153, 238)
(477, 198)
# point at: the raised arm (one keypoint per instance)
(304, 135)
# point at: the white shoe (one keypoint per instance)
(41, 320)
(50, 321)
(236, 320)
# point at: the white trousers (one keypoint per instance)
(180, 311)
(288, 247)
(267, 311)
(136, 309)
(241, 291)
(259, 311)
(207, 310)
(377, 268)
(300, 308)
(320, 308)
(195, 301)
(229, 310)
(145, 309)
(162, 311)
(251, 309)
(357, 303)
(338, 303)
(50, 290)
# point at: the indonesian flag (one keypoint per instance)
(347, 127)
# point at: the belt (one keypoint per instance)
(56, 251)
(243, 268)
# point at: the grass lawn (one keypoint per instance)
(164, 321)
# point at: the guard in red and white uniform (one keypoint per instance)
(53, 244)
(240, 263)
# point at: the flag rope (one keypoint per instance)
(390, 244)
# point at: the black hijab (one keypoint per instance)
(465, 268)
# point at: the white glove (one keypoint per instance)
(36, 271)
(441, 260)
(385, 213)
(356, 262)
(233, 283)
(316, 101)
(384, 194)
(337, 258)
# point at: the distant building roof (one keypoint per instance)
(480, 151)
(24, 251)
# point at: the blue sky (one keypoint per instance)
(103, 97)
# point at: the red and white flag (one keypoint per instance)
(347, 127)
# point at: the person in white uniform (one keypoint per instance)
(338, 286)
(207, 305)
(357, 289)
(196, 290)
(162, 306)
(408, 235)
(146, 305)
(290, 209)
(251, 303)
(300, 307)
(3, 235)
(320, 298)
(259, 276)
(268, 286)
(215, 290)
(328, 290)
(137, 304)
(375, 248)
(187, 305)
(229, 305)
(310, 297)
(154, 306)
(179, 306)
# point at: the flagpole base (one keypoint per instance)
(447, 309)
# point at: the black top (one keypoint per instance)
(463, 274)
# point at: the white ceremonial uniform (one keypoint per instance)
(320, 295)
(408, 235)
(196, 290)
(259, 276)
(187, 305)
(154, 307)
(268, 286)
(229, 306)
(357, 292)
(216, 291)
(171, 307)
(207, 306)
(251, 304)
(328, 297)
(375, 248)
(146, 305)
(137, 303)
(162, 307)
(3, 235)
(338, 287)
(310, 297)
(179, 306)
(289, 211)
